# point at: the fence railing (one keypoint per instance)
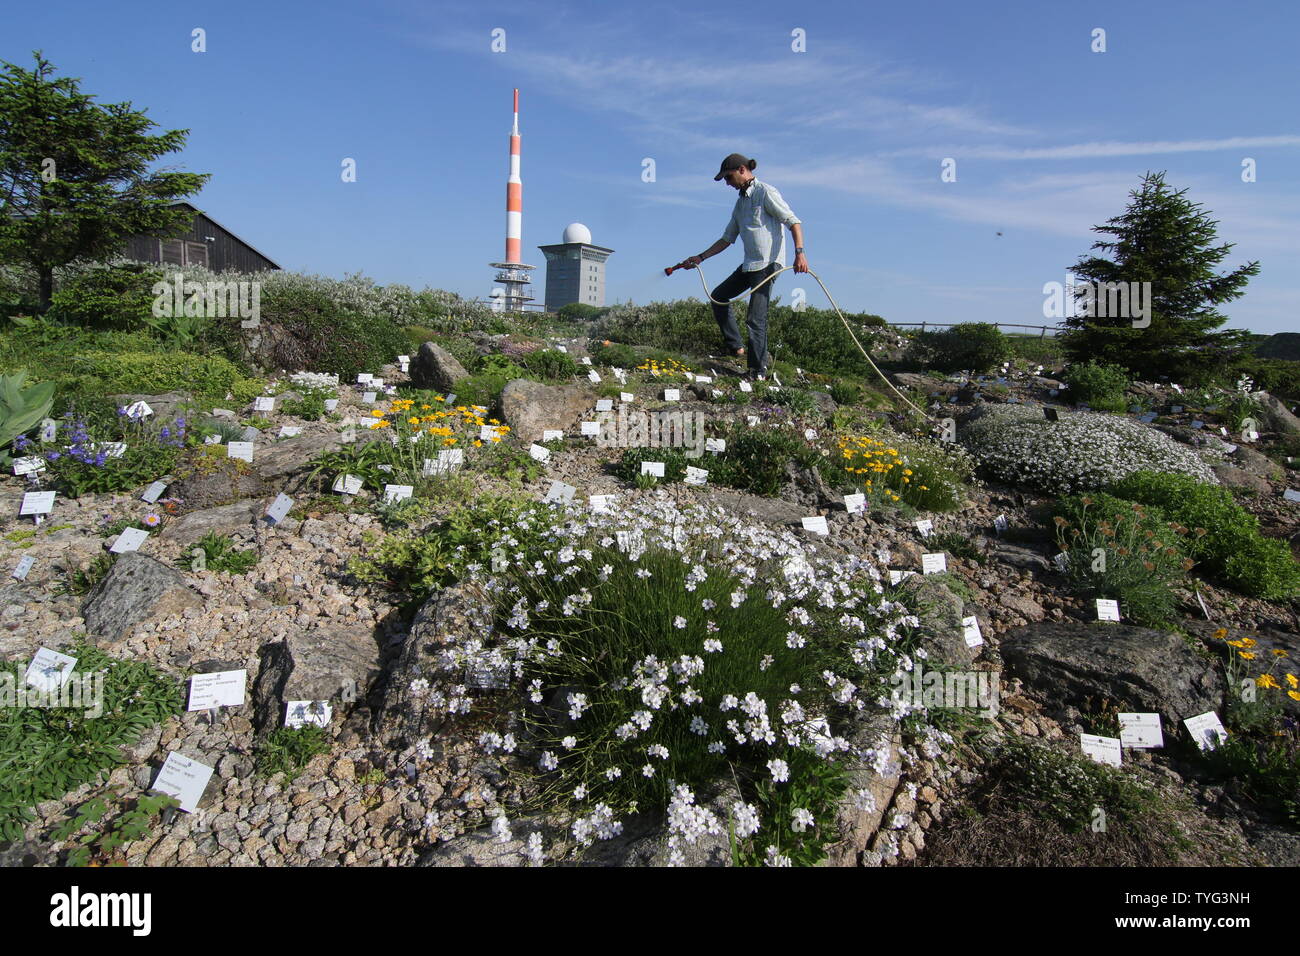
(1043, 329)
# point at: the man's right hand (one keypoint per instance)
(692, 262)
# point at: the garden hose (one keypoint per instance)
(848, 327)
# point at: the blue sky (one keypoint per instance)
(1049, 137)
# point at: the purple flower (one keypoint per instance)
(121, 410)
(101, 458)
(21, 443)
(53, 456)
(165, 433)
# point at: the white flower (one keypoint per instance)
(780, 770)
(642, 573)
(568, 743)
(647, 771)
(729, 702)
(533, 850)
(713, 646)
(803, 819)
(657, 750)
(679, 622)
(508, 743)
(717, 747)
(746, 819)
(775, 858)
(580, 792)
(613, 773)
(794, 640)
(577, 704)
(548, 761)
(698, 726)
(501, 829)
(708, 604)
(737, 598)
(766, 662)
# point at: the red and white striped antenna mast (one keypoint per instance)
(513, 274)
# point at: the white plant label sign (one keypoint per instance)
(1140, 731)
(1107, 609)
(539, 452)
(1206, 729)
(219, 689)
(855, 504)
(184, 779)
(129, 540)
(934, 563)
(242, 450)
(816, 525)
(1101, 749)
(655, 468)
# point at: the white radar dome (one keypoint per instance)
(577, 232)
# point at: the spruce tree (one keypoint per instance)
(74, 176)
(1164, 239)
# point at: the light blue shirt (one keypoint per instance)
(757, 218)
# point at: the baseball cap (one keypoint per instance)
(734, 161)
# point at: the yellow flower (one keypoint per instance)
(1292, 680)
(1266, 680)
(1220, 634)
(1293, 694)
(425, 408)
(477, 443)
(1279, 652)
(1237, 643)
(1248, 641)
(377, 413)
(1248, 655)
(414, 421)
(496, 438)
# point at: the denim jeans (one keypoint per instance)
(756, 321)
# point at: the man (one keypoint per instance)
(757, 218)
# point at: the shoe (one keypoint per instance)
(739, 353)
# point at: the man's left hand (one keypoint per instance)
(801, 263)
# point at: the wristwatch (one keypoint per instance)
(798, 250)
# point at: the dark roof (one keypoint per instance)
(181, 202)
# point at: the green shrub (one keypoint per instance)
(580, 311)
(968, 347)
(615, 355)
(1098, 385)
(1141, 559)
(47, 752)
(1224, 537)
(113, 297)
(550, 364)
(218, 554)
(756, 459)
(312, 333)
(288, 750)
(207, 377)
(484, 388)
(846, 393)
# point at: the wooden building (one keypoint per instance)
(205, 243)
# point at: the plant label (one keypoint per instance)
(430, 468)
(1176, 388)
(289, 431)
(1140, 731)
(377, 382)
(395, 493)
(591, 429)
(279, 509)
(1206, 729)
(560, 491)
(129, 540)
(774, 388)
(264, 403)
(594, 377)
(672, 395)
(1176, 409)
(1062, 561)
(1148, 418)
(404, 359)
(553, 434)
(49, 670)
(626, 397)
(600, 504)
(184, 779)
(365, 378)
(690, 376)
(562, 348)
(250, 434)
(1000, 523)
(970, 631)
(49, 429)
(24, 565)
(925, 526)
(1198, 423)
(539, 452)
(219, 689)
(715, 445)
(29, 466)
(351, 484)
(704, 380)
(37, 503)
(1291, 495)
(450, 398)
(810, 434)
(1223, 431)
(717, 393)
(212, 440)
(454, 457)
(655, 468)
(816, 525)
(1107, 610)
(331, 404)
(138, 410)
(698, 476)
(368, 397)
(752, 420)
(895, 577)
(154, 492)
(585, 360)
(242, 450)
(387, 468)
(1101, 749)
(605, 405)
(855, 504)
(934, 563)
(745, 386)
(114, 449)
(307, 713)
(487, 432)
(1228, 449)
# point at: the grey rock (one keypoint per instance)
(856, 825)
(940, 611)
(405, 715)
(1024, 606)
(165, 407)
(1251, 461)
(228, 481)
(325, 663)
(826, 406)
(1138, 668)
(1018, 557)
(530, 408)
(480, 848)
(137, 588)
(284, 458)
(436, 368)
(768, 510)
(1277, 417)
(225, 519)
(1231, 477)
(22, 853)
